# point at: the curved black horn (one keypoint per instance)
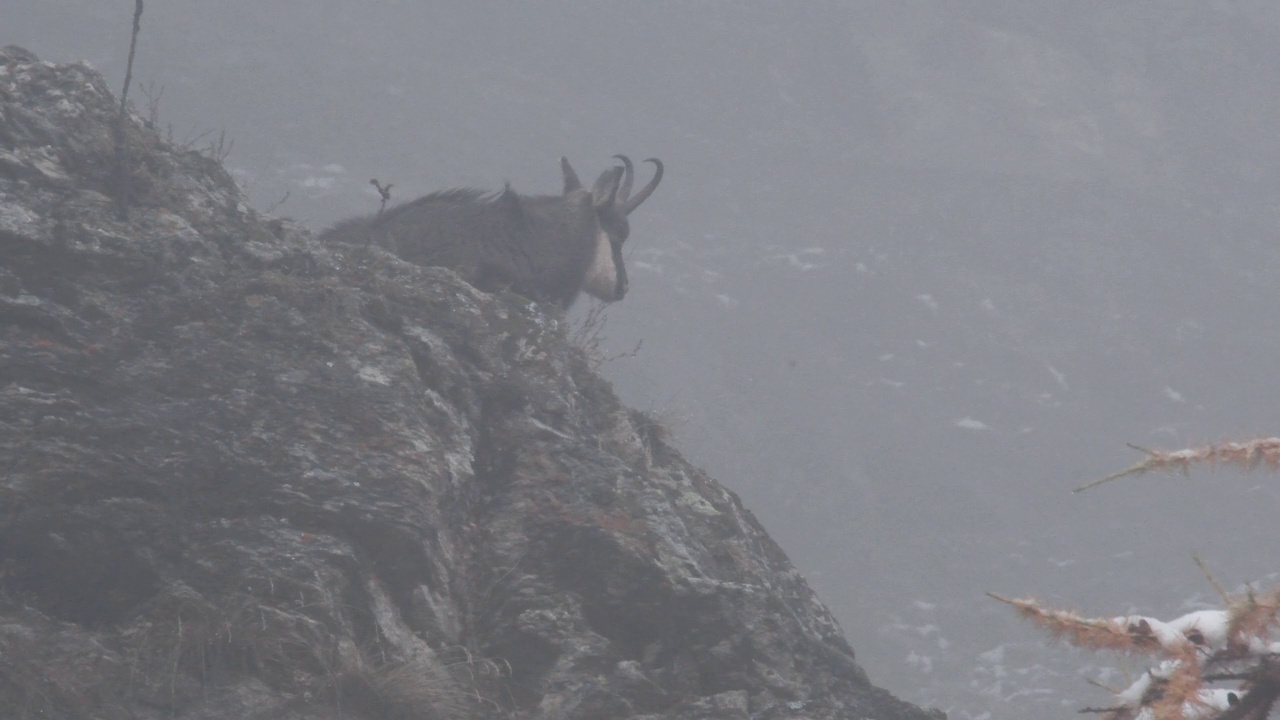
(634, 202)
(628, 173)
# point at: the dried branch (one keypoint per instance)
(1102, 634)
(1188, 647)
(1246, 455)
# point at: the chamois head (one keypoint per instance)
(606, 276)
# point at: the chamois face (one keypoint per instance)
(606, 276)
(612, 218)
(611, 201)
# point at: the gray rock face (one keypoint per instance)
(247, 476)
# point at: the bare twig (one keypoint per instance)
(588, 335)
(219, 149)
(275, 205)
(153, 102)
(1209, 576)
(384, 191)
(189, 142)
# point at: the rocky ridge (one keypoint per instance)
(248, 476)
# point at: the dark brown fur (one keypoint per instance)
(544, 247)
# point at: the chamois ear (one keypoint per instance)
(606, 189)
(571, 181)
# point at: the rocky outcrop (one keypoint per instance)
(247, 476)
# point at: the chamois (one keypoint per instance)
(548, 248)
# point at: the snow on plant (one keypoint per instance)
(1194, 655)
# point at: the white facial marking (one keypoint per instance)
(602, 276)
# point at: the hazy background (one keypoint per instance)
(916, 269)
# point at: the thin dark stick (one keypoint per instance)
(385, 192)
(122, 172)
(133, 48)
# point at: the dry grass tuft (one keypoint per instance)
(588, 336)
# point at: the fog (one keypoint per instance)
(916, 269)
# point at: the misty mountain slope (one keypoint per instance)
(914, 272)
(952, 378)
